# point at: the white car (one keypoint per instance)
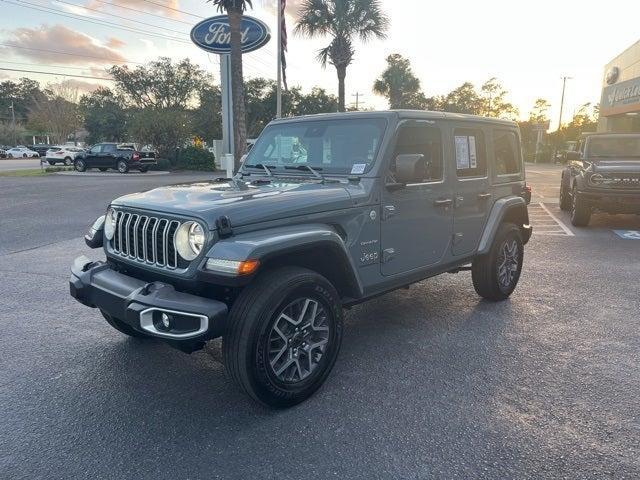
(21, 152)
(62, 154)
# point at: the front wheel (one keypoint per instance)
(79, 165)
(51, 162)
(580, 211)
(285, 331)
(68, 162)
(565, 197)
(122, 166)
(496, 274)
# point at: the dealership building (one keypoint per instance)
(620, 101)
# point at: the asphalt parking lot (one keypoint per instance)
(431, 382)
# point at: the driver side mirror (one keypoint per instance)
(410, 168)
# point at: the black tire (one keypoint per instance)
(247, 345)
(79, 165)
(565, 197)
(51, 162)
(24, 155)
(144, 169)
(103, 169)
(68, 161)
(122, 327)
(485, 268)
(122, 166)
(580, 212)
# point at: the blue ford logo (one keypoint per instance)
(214, 35)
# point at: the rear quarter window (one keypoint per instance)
(506, 153)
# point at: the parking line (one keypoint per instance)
(560, 224)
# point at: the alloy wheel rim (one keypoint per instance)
(80, 165)
(298, 340)
(508, 262)
(122, 167)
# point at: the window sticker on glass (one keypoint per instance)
(473, 159)
(462, 152)
(358, 168)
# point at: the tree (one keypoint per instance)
(400, 85)
(55, 111)
(207, 117)
(104, 116)
(343, 21)
(157, 96)
(235, 9)
(493, 101)
(463, 99)
(540, 111)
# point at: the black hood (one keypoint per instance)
(244, 203)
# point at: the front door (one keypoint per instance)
(417, 218)
(472, 193)
(93, 156)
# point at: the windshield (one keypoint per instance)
(613, 147)
(332, 146)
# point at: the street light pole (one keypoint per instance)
(564, 84)
(13, 123)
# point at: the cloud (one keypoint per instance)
(114, 42)
(84, 49)
(81, 86)
(144, 5)
(292, 9)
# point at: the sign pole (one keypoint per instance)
(227, 105)
(279, 54)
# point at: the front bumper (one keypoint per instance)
(611, 201)
(141, 304)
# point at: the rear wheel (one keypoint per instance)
(121, 326)
(285, 331)
(496, 274)
(122, 166)
(79, 165)
(580, 211)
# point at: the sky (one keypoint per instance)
(528, 46)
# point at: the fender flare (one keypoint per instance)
(501, 208)
(273, 243)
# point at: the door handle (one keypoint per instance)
(484, 196)
(443, 202)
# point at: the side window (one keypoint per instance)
(96, 149)
(507, 152)
(108, 149)
(471, 152)
(425, 140)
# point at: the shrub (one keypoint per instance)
(194, 158)
(162, 165)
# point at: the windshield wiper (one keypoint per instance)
(306, 167)
(266, 168)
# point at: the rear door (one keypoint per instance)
(108, 155)
(472, 200)
(416, 219)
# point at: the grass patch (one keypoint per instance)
(34, 172)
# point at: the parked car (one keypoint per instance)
(326, 212)
(121, 157)
(603, 176)
(21, 152)
(62, 154)
(41, 148)
(3, 152)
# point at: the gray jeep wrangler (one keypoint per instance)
(326, 212)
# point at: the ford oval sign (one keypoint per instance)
(214, 35)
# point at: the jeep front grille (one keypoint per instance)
(146, 239)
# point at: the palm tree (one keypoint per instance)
(234, 10)
(344, 21)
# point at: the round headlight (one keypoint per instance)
(110, 223)
(189, 240)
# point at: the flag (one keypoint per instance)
(283, 42)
